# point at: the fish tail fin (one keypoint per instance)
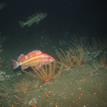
(15, 64)
(21, 23)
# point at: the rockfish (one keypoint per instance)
(32, 59)
(33, 19)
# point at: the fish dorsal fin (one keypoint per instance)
(20, 57)
(37, 51)
(34, 53)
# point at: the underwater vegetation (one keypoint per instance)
(77, 78)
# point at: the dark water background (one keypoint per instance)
(65, 18)
(67, 21)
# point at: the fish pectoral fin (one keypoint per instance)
(37, 67)
(24, 68)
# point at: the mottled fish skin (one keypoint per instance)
(36, 62)
(36, 59)
(33, 59)
(33, 53)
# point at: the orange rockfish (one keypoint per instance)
(35, 58)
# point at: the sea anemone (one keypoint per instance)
(48, 72)
(71, 57)
(23, 87)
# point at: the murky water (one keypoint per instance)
(79, 86)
